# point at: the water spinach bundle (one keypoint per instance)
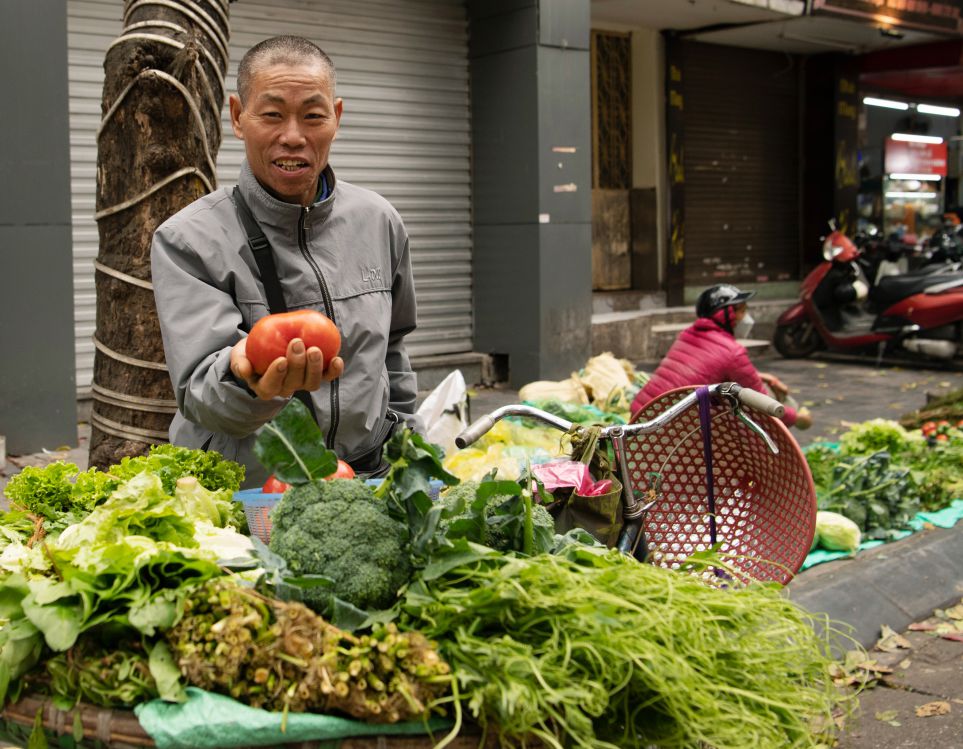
(589, 648)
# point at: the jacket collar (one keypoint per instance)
(707, 323)
(270, 211)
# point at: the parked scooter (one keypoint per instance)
(841, 307)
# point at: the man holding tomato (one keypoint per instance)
(338, 249)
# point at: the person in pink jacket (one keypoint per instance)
(707, 352)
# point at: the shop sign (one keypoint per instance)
(910, 157)
(927, 15)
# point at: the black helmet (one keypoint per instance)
(715, 298)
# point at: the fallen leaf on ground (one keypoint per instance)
(905, 663)
(820, 365)
(932, 708)
(888, 716)
(956, 612)
(891, 641)
(922, 627)
(954, 636)
(874, 667)
(945, 384)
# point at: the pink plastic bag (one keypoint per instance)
(570, 473)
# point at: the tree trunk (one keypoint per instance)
(157, 144)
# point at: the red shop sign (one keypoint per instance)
(910, 157)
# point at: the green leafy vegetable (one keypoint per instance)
(878, 435)
(58, 488)
(292, 448)
(879, 497)
(593, 649)
(115, 675)
(171, 463)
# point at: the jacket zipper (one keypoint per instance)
(329, 311)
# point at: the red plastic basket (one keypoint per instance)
(765, 503)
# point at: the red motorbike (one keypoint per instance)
(842, 309)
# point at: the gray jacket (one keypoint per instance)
(346, 256)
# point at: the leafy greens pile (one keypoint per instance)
(882, 475)
(118, 554)
(558, 641)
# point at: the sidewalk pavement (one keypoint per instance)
(893, 585)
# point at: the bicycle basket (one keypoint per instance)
(765, 503)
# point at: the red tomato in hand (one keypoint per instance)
(274, 486)
(270, 336)
(344, 471)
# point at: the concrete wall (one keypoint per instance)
(37, 390)
(532, 184)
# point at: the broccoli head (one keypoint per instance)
(299, 498)
(340, 530)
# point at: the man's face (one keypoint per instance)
(287, 125)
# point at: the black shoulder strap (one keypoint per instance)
(262, 255)
(264, 258)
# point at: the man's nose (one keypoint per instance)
(291, 133)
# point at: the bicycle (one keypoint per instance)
(759, 506)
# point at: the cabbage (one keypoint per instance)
(837, 532)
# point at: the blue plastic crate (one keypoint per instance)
(258, 506)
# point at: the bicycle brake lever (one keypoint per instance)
(730, 391)
(744, 418)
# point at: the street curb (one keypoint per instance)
(893, 584)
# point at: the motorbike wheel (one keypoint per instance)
(796, 341)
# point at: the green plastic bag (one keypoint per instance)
(600, 515)
(208, 721)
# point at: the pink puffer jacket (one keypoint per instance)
(704, 354)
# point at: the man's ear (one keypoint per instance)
(236, 108)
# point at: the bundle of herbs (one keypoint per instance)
(283, 656)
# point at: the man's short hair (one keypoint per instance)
(284, 50)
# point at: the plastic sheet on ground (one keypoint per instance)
(945, 518)
(210, 720)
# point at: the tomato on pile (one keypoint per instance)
(275, 486)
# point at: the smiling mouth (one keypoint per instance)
(290, 165)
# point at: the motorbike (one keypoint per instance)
(847, 304)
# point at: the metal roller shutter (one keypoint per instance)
(403, 74)
(741, 134)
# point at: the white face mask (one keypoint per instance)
(743, 327)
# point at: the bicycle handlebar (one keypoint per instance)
(749, 397)
(761, 402)
(474, 432)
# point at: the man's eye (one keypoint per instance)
(313, 116)
(272, 115)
